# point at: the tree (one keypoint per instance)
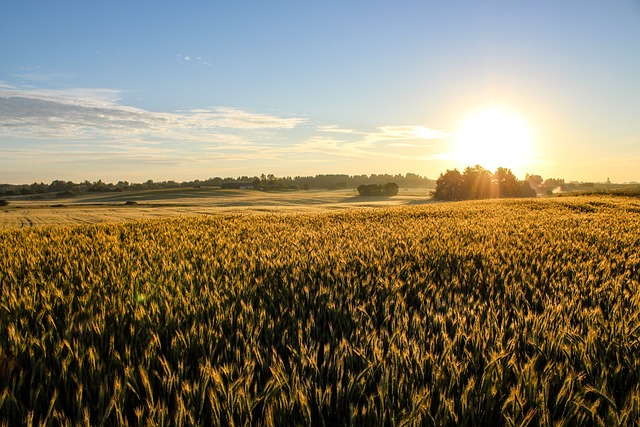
(391, 189)
(338, 186)
(535, 181)
(524, 189)
(57, 186)
(449, 186)
(477, 183)
(388, 189)
(551, 183)
(505, 182)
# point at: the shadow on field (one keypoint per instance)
(360, 199)
(158, 195)
(396, 200)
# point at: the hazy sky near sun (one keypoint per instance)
(137, 90)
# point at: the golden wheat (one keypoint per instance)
(475, 313)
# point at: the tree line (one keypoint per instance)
(478, 183)
(473, 183)
(264, 182)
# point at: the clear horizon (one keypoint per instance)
(124, 91)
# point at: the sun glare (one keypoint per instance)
(494, 137)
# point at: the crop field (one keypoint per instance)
(93, 208)
(500, 312)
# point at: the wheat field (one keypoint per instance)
(501, 312)
(94, 208)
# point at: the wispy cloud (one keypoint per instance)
(406, 133)
(90, 126)
(91, 113)
(389, 132)
(394, 142)
(234, 119)
(79, 96)
(337, 129)
(37, 77)
(193, 59)
(325, 145)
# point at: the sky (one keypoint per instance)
(168, 90)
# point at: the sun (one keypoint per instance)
(494, 137)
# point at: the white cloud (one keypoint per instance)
(390, 132)
(233, 118)
(75, 96)
(393, 142)
(323, 145)
(337, 129)
(193, 59)
(94, 113)
(88, 127)
(406, 132)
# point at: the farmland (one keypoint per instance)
(499, 312)
(92, 208)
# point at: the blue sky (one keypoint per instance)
(189, 90)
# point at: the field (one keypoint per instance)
(91, 208)
(501, 312)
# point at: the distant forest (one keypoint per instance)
(263, 182)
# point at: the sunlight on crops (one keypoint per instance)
(94, 209)
(477, 313)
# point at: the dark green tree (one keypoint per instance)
(450, 186)
(388, 189)
(391, 189)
